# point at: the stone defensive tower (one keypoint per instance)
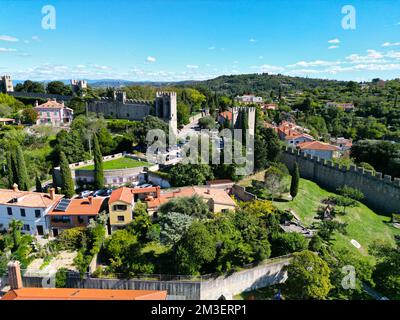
(78, 85)
(6, 84)
(251, 118)
(166, 109)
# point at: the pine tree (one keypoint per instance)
(22, 174)
(294, 184)
(67, 184)
(38, 184)
(98, 164)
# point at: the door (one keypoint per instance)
(40, 230)
(55, 232)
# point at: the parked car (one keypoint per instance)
(85, 194)
(102, 193)
(47, 187)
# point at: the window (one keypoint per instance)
(26, 227)
(119, 207)
(37, 213)
(9, 211)
(127, 115)
(62, 219)
(121, 218)
(23, 214)
(48, 114)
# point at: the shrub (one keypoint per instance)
(61, 278)
(71, 239)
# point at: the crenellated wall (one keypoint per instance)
(381, 193)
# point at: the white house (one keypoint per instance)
(29, 207)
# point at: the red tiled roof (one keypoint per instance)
(83, 294)
(125, 194)
(317, 145)
(80, 207)
(226, 115)
(27, 198)
(121, 194)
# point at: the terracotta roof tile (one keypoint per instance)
(317, 145)
(80, 207)
(83, 294)
(27, 198)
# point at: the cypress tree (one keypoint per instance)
(67, 184)
(38, 184)
(98, 164)
(294, 184)
(11, 174)
(22, 174)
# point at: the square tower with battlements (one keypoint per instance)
(6, 84)
(166, 109)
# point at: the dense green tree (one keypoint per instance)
(294, 183)
(190, 174)
(273, 181)
(285, 243)
(193, 206)
(98, 164)
(173, 225)
(38, 184)
(22, 174)
(58, 87)
(196, 248)
(30, 86)
(67, 183)
(387, 272)
(207, 122)
(308, 277)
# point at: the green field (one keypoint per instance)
(121, 163)
(364, 225)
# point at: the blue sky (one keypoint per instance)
(175, 40)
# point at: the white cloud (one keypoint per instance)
(390, 44)
(260, 57)
(316, 63)
(151, 59)
(333, 47)
(252, 40)
(372, 56)
(334, 41)
(211, 48)
(8, 38)
(192, 66)
(35, 38)
(7, 50)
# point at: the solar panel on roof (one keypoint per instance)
(63, 205)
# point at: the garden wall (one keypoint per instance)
(381, 193)
(266, 274)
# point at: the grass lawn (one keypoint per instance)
(364, 225)
(121, 163)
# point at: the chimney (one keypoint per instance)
(14, 275)
(15, 187)
(36, 103)
(52, 193)
(90, 198)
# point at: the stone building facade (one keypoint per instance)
(6, 84)
(164, 106)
